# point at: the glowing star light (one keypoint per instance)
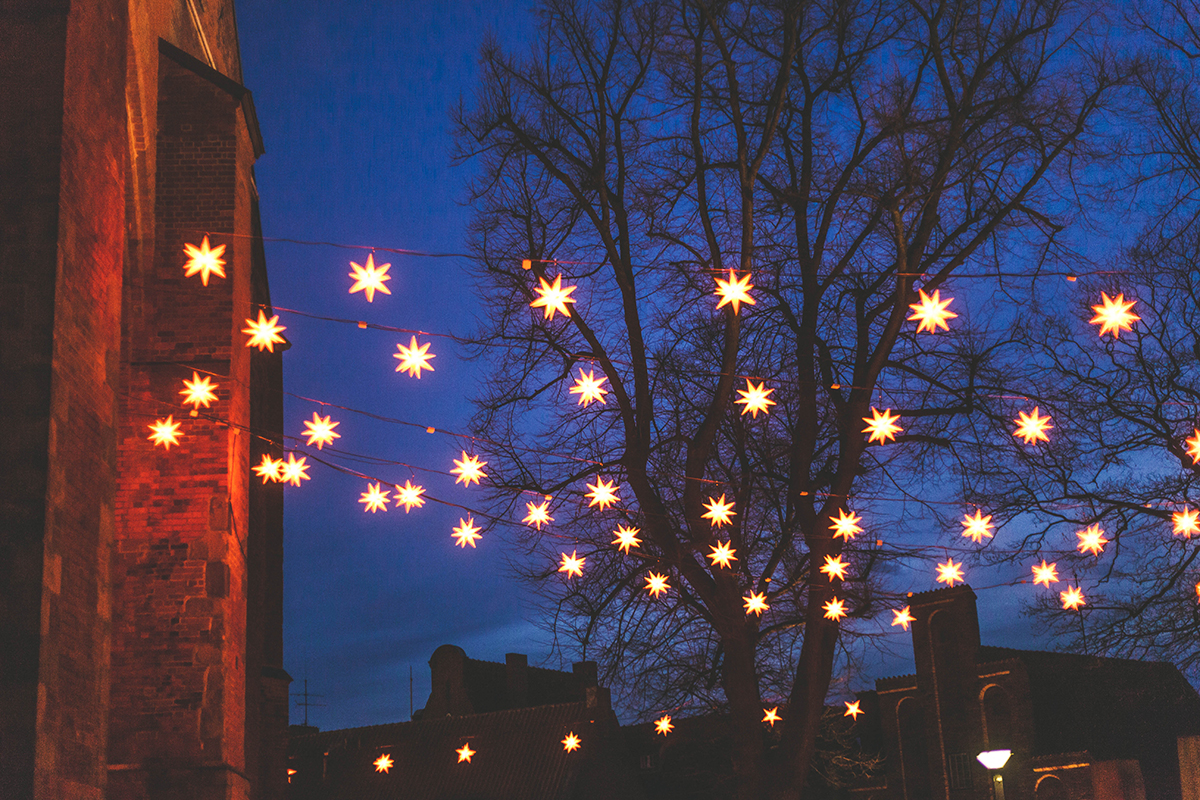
(570, 743)
(413, 358)
(375, 498)
(950, 572)
(1186, 522)
(369, 279)
(603, 493)
(903, 617)
(466, 533)
(1045, 574)
(755, 399)
(319, 431)
(722, 554)
(165, 432)
(852, 709)
(539, 514)
(835, 568)
(656, 584)
(978, 527)
(589, 388)
(882, 426)
(1193, 446)
(719, 511)
(1091, 540)
(735, 291)
(1072, 598)
(203, 260)
(626, 538)
(931, 312)
(572, 565)
(269, 469)
(383, 763)
(409, 496)
(756, 603)
(294, 470)
(846, 525)
(835, 609)
(468, 469)
(264, 334)
(771, 716)
(198, 392)
(663, 724)
(464, 753)
(1032, 427)
(1114, 315)
(553, 297)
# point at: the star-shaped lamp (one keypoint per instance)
(369, 279)
(835, 567)
(719, 512)
(603, 493)
(269, 469)
(835, 609)
(754, 399)
(413, 358)
(383, 763)
(1193, 446)
(950, 572)
(1091, 540)
(755, 603)
(846, 525)
(1186, 522)
(1113, 315)
(204, 261)
(978, 527)
(1072, 598)
(626, 538)
(553, 297)
(663, 724)
(199, 391)
(464, 753)
(931, 312)
(589, 388)
(409, 496)
(853, 710)
(375, 498)
(903, 617)
(570, 743)
(882, 426)
(264, 333)
(468, 469)
(319, 431)
(722, 554)
(1032, 427)
(771, 716)
(539, 514)
(294, 470)
(656, 584)
(466, 533)
(165, 432)
(734, 291)
(572, 564)
(1045, 574)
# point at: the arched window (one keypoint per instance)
(1050, 788)
(914, 753)
(997, 718)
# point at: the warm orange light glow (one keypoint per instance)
(409, 496)
(1114, 315)
(570, 743)
(294, 470)
(469, 469)
(1198, 592)
(734, 291)
(203, 260)
(603, 493)
(165, 432)
(319, 431)
(464, 753)
(656, 584)
(552, 298)
(467, 532)
(375, 498)
(626, 538)
(882, 426)
(383, 763)
(264, 334)
(1032, 427)
(663, 724)
(719, 512)
(950, 572)
(198, 392)
(1186, 522)
(835, 609)
(755, 399)
(931, 312)
(903, 617)
(852, 709)
(369, 279)
(755, 603)
(1045, 574)
(1193, 446)
(846, 525)
(589, 388)
(572, 564)
(539, 514)
(835, 568)
(722, 554)
(413, 358)
(1091, 540)
(1072, 598)
(978, 527)
(771, 716)
(291, 772)
(269, 469)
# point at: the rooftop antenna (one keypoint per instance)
(305, 702)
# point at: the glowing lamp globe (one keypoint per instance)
(994, 759)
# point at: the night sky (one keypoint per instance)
(354, 101)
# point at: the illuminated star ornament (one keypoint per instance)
(570, 743)
(466, 533)
(835, 609)
(903, 617)
(464, 753)
(603, 493)
(978, 527)
(319, 431)
(719, 512)
(931, 312)
(1113, 315)
(755, 399)
(294, 470)
(950, 572)
(1091, 540)
(165, 432)
(375, 498)
(1072, 598)
(846, 525)
(198, 392)
(589, 388)
(383, 763)
(835, 568)
(369, 279)
(469, 469)
(1193, 446)
(203, 260)
(553, 297)
(269, 469)
(264, 334)
(1045, 574)
(1032, 427)
(756, 603)
(734, 291)
(852, 709)
(663, 724)
(771, 716)
(413, 358)
(882, 426)
(656, 584)
(1186, 522)
(409, 496)
(626, 538)
(722, 554)
(572, 564)
(539, 514)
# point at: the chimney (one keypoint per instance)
(516, 676)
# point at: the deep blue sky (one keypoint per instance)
(353, 99)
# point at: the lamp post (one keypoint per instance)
(994, 761)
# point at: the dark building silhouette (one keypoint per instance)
(140, 589)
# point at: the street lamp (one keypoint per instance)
(994, 761)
